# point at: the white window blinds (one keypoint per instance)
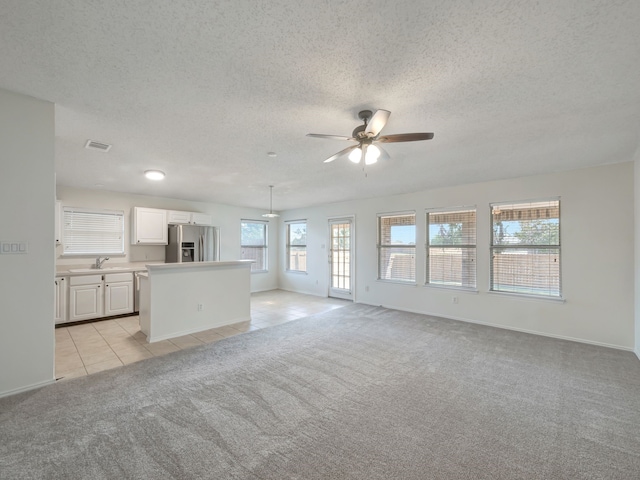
(397, 247)
(253, 243)
(525, 248)
(297, 246)
(93, 232)
(451, 248)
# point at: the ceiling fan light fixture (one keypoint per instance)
(154, 174)
(356, 155)
(372, 155)
(270, 214)
(365, 135)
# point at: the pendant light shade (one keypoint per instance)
(270, 214)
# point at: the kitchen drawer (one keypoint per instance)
(119, 277)
(85, 280)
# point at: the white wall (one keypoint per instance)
(27, 196)
(597, 235)
(224, 216)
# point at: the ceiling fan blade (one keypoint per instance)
(341, 153)
(405, 137)
(332, 137)
(377, 122)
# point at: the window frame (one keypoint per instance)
(101, 215)
(264, 246)
(558, 247)
(288, 225)
(473, 247)
(382, 247)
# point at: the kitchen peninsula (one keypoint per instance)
(182, 298)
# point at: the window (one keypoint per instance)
(297, 246)
(525, 248)
(253, 243)
(93, 232)
(397, 247)
(451, 248)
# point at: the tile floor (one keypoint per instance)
(93, 347)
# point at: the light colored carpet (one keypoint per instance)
(358, 393)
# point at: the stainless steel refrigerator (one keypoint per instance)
(191, 243)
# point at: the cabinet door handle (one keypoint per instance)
(56, 282)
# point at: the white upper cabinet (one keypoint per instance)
(185, 218)
(201, 219)
(178, 218)
(149, 226)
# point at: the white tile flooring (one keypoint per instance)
(92, 347)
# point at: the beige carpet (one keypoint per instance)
(357, 393)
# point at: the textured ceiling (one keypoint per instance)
(204, 89)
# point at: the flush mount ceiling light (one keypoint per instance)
(270, 214)
(154, 174)
(366, 135)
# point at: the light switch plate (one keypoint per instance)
(14, 247)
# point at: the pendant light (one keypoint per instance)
(270, 214)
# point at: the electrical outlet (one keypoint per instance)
(200, 307)
(454, 299)
(366, 289)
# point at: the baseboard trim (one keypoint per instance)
(304, 292)
(27, 388)
(637, 352)
(198, 329)
(515, 329)
(260, 290)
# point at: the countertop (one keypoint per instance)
(84, 269)
(73, 270)
(199, 265)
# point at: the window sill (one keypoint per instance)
(91, 255)
(296, 272)
(451, 287)
(397, 282)
(259, 271)
(524, 296)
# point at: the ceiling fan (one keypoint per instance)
(368, 134)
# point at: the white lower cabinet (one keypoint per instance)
(96, 296)
(86, 298)
(60, 300)
(118, 296)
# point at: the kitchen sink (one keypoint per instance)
(98, 270)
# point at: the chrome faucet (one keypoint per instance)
(99, 262)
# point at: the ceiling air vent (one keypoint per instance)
(102, 147)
